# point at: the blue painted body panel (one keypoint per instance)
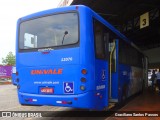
(102, 80)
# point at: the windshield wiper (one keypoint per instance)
(65, 33)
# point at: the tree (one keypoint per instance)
(9, 60)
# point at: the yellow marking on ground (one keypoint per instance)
(111, 105)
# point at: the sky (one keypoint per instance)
(10, 11)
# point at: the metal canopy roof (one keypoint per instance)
(125, 15)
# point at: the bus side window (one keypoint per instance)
(106, 41)
(99, 40)
(103, 36)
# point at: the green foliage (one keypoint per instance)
(9, 60)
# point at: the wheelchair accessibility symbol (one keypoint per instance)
(68, 87)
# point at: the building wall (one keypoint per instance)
(65, 3)
(5, 71)
(153, 56)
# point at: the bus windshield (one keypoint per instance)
(49, 31)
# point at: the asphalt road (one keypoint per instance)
(9, 102)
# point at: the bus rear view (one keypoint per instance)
(72, 57)
(50, 70)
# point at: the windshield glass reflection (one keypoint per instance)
(49, 31)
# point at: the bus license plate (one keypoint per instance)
(47, 90)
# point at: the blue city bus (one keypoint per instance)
(72, 57)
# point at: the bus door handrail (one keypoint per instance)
(110, 69)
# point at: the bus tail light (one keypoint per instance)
(64, 102)
(82, 87)
(17, 73)
(101, 96)
(75, 98)
(83, 79)
(84, 71)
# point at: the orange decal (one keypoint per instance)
(36, 72)
(50, 71)
(60, 71)
(32, 71)
(45, 71)
(54, 72)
